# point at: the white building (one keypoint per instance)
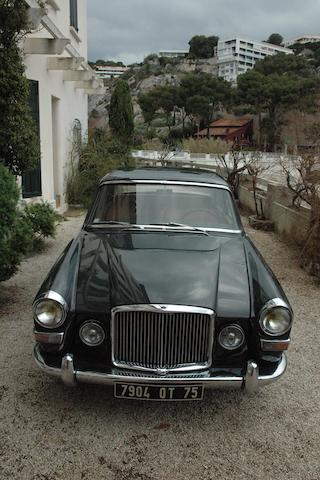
(173, 53)
(237, 55)
(60, 79)
(303, 39)
(107, 71)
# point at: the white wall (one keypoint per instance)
(58, 100)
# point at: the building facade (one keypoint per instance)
(237, 55)
(107, 71)
(55, 55)
(173, 53)
(302, 40)
(237, 131)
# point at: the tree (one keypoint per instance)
(303, 180)
(283, 64)
(197, 106)
(168, 98)
(19, 143)
(149, 105)
(276, 85)
(121, 113)
(202, 46)
(204, 95)
(256, 166)
(233, 165)
(275, 39)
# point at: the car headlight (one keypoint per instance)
(92, 334)
(275, 317)
(231, 337)
(50, 311)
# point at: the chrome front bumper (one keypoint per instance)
(71, 376)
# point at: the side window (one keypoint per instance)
(74, 14)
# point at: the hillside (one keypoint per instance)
(154, 71)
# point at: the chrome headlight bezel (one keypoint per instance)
(59, 301)
(275, 303)
(92, 323)
(239, 329)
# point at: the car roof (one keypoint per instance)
(165, 174)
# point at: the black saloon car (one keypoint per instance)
(162, 294)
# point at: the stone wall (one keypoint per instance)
(276, 202)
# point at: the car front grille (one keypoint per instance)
(162, 338)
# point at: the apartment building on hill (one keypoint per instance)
(237, 55)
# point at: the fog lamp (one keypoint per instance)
(92, 334)
(231, 337)
(49, 313)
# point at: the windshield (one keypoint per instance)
(158, 204)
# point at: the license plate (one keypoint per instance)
(158, 392)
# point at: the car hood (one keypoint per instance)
(164, 268)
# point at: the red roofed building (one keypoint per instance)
(234, 130)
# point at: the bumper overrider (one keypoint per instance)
(71, 376)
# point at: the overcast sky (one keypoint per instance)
(128, 30)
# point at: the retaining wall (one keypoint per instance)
(276, 201)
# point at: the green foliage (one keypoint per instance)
(121, 113)
(275, 39)
(15, 231)
(23, 236)
(203, 96)
(9, 196)
(106, 63)
(148, 103)
(202, 46)
(199, 95)
(276, 85)
(19, 144)
(42, 218)
(282, 64)
(100, 155)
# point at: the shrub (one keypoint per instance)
(19, 142)
(42, 218)
(15, 230)
(206, 145)
(99, 156)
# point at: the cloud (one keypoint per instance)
(128, 30)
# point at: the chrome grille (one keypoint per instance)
(154, 337)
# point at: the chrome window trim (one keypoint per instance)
(165, 308)
(271, 304)
(168, 227)
(51, 295)
(166, 182)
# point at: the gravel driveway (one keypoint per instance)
(49, 432)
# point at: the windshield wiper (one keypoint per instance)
(103, 223)
(182, 225)
(116, 223)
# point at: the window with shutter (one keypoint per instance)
(31, 180)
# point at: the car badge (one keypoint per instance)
(161, 371)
